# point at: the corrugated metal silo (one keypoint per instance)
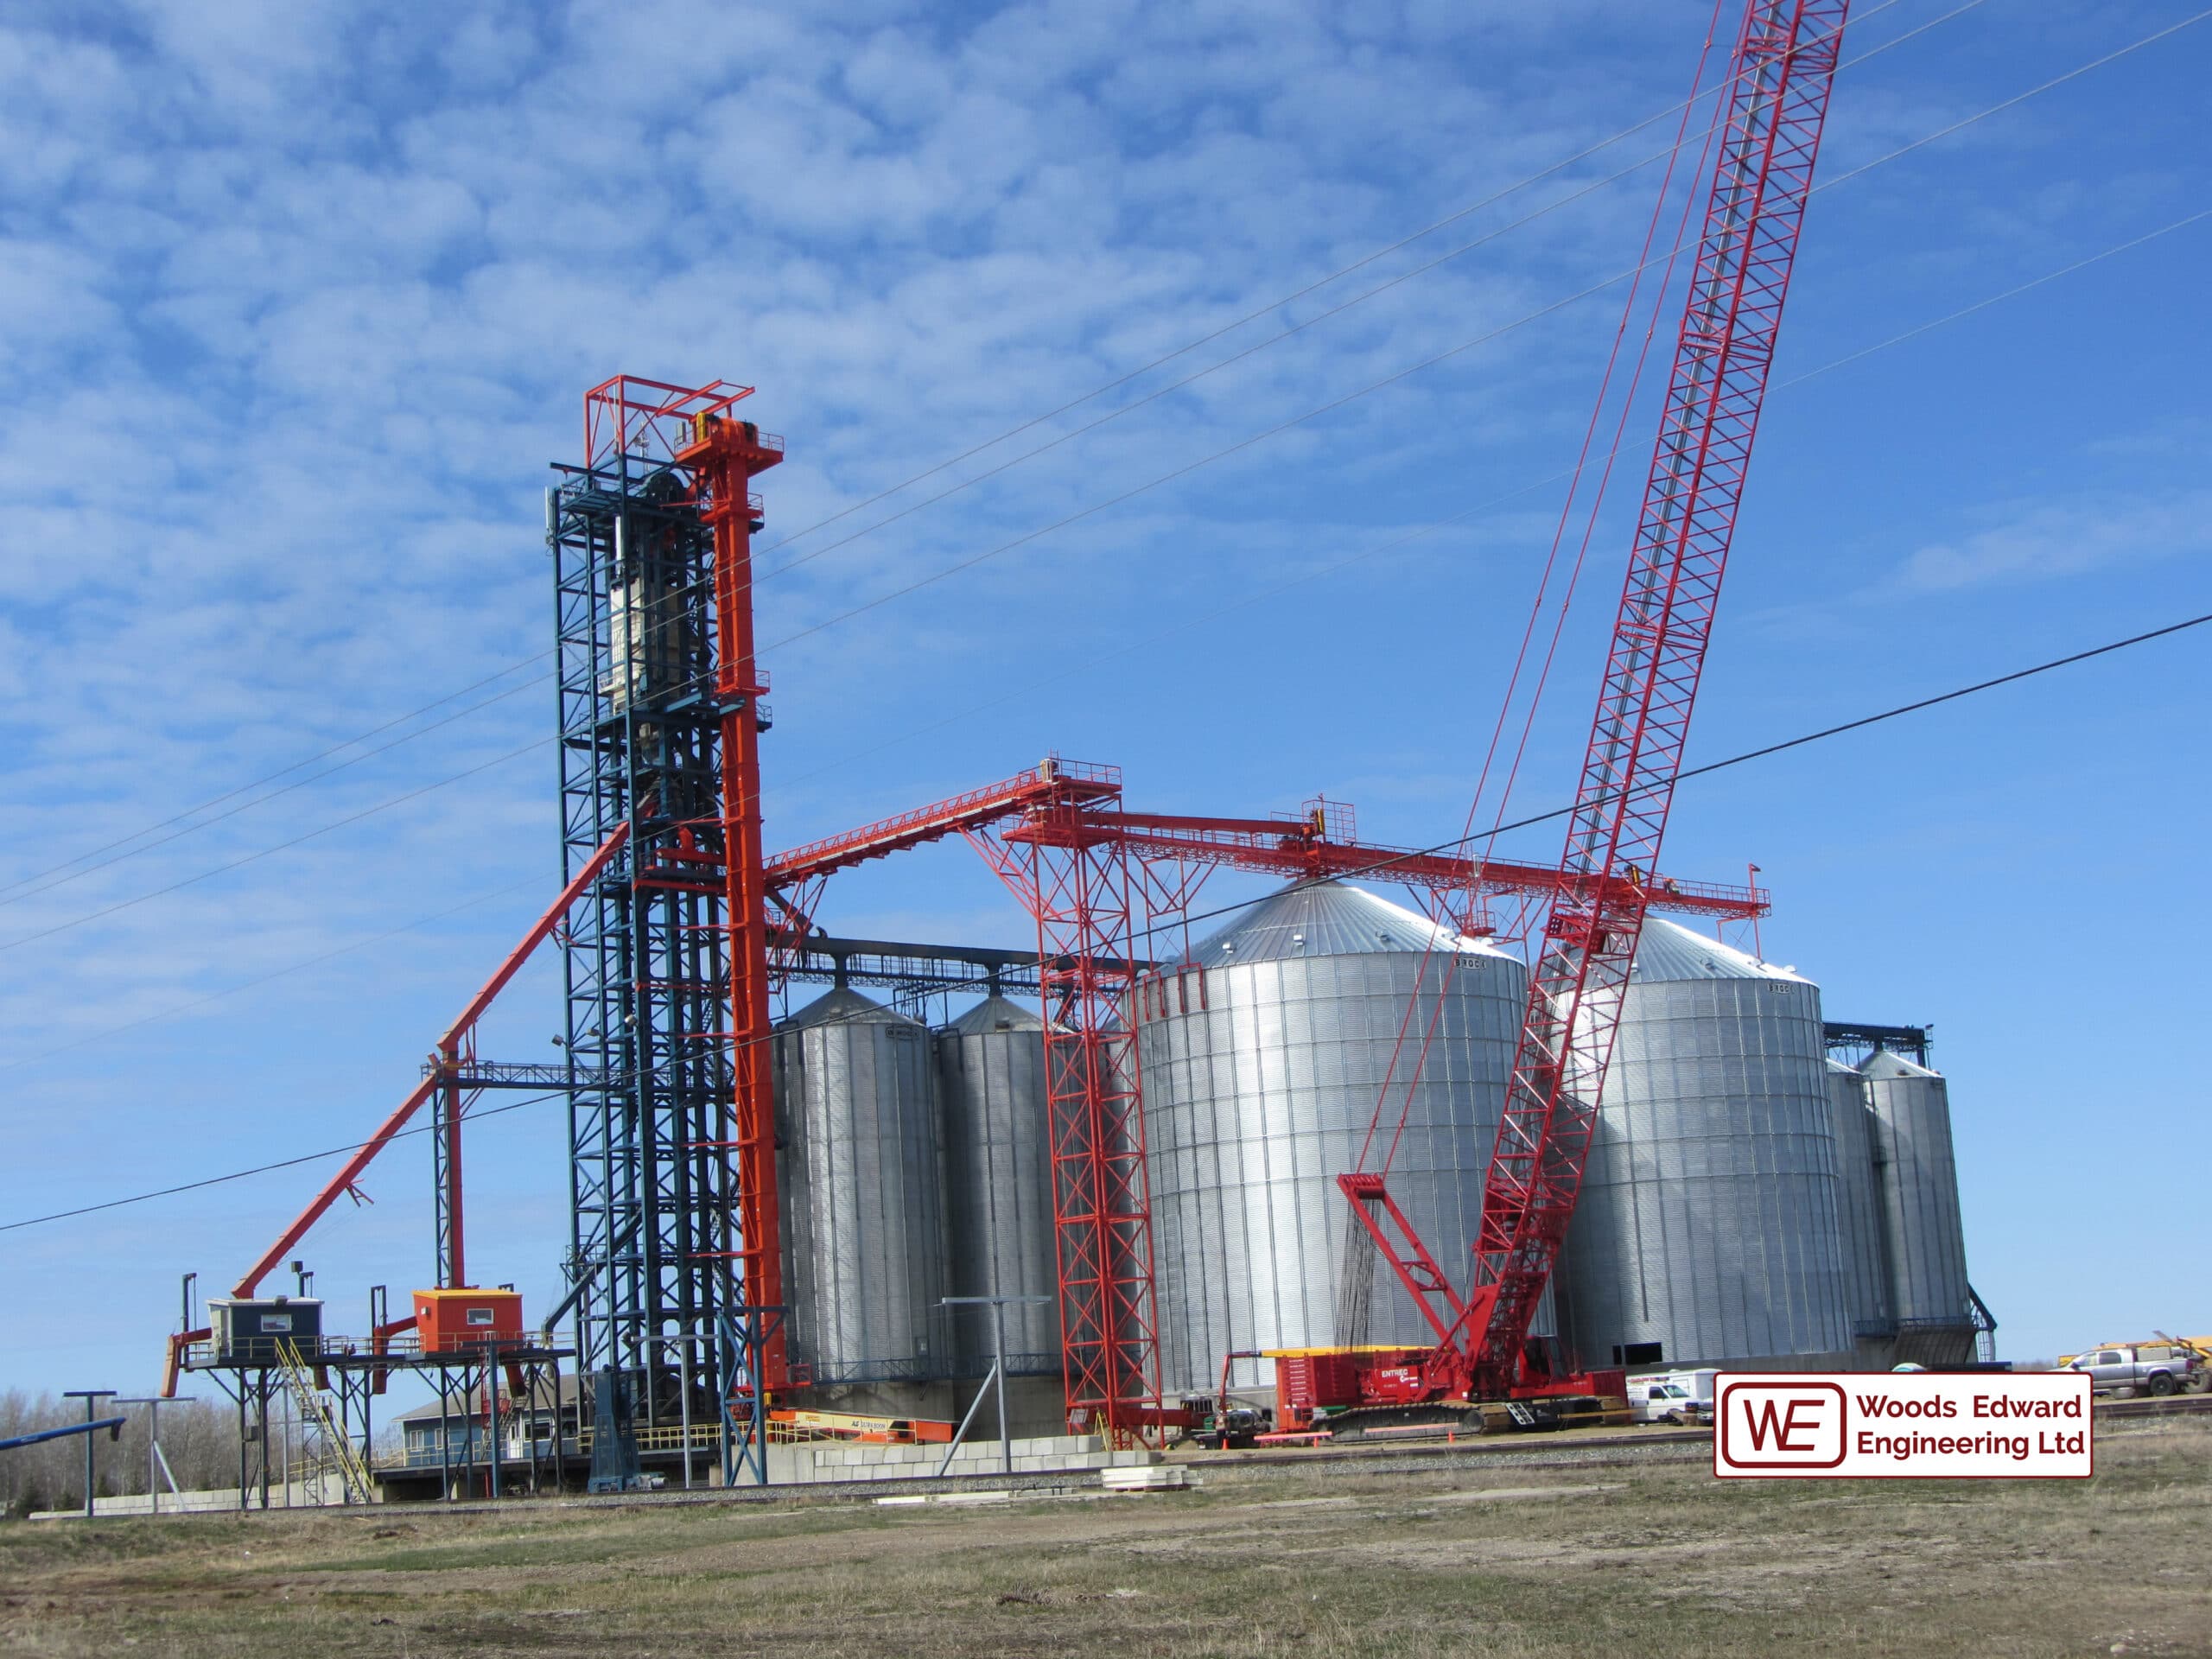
(1859, 1211)
(862, 1179)
(1708, 1228)
(990, 1074)
(1262, 1059)
(1920, 1195)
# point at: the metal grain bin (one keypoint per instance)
(862, 1182)
(1262, 1059)
(1920, 1194)
(1859, 1214)
(1708, 1229)
(990, 1078)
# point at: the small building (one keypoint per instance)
(450, 1443)
(253, 1327)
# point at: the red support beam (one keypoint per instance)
(1083, 892)
(1272, 847)
(1051, 782)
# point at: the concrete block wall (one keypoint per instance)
(831, 1460)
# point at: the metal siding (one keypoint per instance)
(1920, 1194)
(1708, 1220)
(1860, 1210)
(865, 1241)
(990, 1072)
(1256, 1102)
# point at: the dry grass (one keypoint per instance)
(1470, 1557)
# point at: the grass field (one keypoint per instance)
(1645, 1558)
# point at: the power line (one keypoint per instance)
(470, 1115)
(285, 771)
(1380, 866)
(1250, 596)
(1245, 597)
(1430, 362)
(1016, 430)
(282, 846)
(1336, 309)
(264, 1169)
(17, 891)
(108, 1030)
(1360, 264)
(1383, 865)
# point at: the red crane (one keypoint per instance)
(1776, 101)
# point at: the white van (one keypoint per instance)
(1672, 1397)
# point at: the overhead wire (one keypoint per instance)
(1035, 421)
(1354, 1282)
(1334, 404)
(1245, 597)
(1361, 263)
(1380, 865)
(1667, 155)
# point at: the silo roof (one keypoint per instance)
(1669, 950)
(1836, 1066)
(844, 1006)
(994, 1013)
(1328, 918)
(1883, 1066)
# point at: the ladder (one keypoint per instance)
(353, 1472)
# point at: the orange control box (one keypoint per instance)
(460, 1321)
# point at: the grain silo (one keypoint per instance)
(862, 1181)
(1860, 1217)
(1263, 1056)
(1920, 1196)
(990, 1074)
(1708, 1228)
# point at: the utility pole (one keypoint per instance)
(89, 1396)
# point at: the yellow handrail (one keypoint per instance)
(353, 1474)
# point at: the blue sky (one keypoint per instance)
(298, 304)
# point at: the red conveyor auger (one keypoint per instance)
(454, 1052)
(1777, 98)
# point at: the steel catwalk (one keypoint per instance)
(1860, 1215)
(862, 1183)
(1709, 1217)
(990, 1076)
(1262, 1057)
(1920, 1195)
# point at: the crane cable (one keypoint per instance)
(12, 888)
(1244, 597)
(1380, 866)
(1353, 1289)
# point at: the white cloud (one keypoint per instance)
(2055, 540)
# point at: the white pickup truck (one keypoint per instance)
(2154, 1367)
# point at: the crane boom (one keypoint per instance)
(1777, 100)
(1774, 104)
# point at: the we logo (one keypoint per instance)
(1775, 1423)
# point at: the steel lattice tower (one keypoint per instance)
(658, 1247)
